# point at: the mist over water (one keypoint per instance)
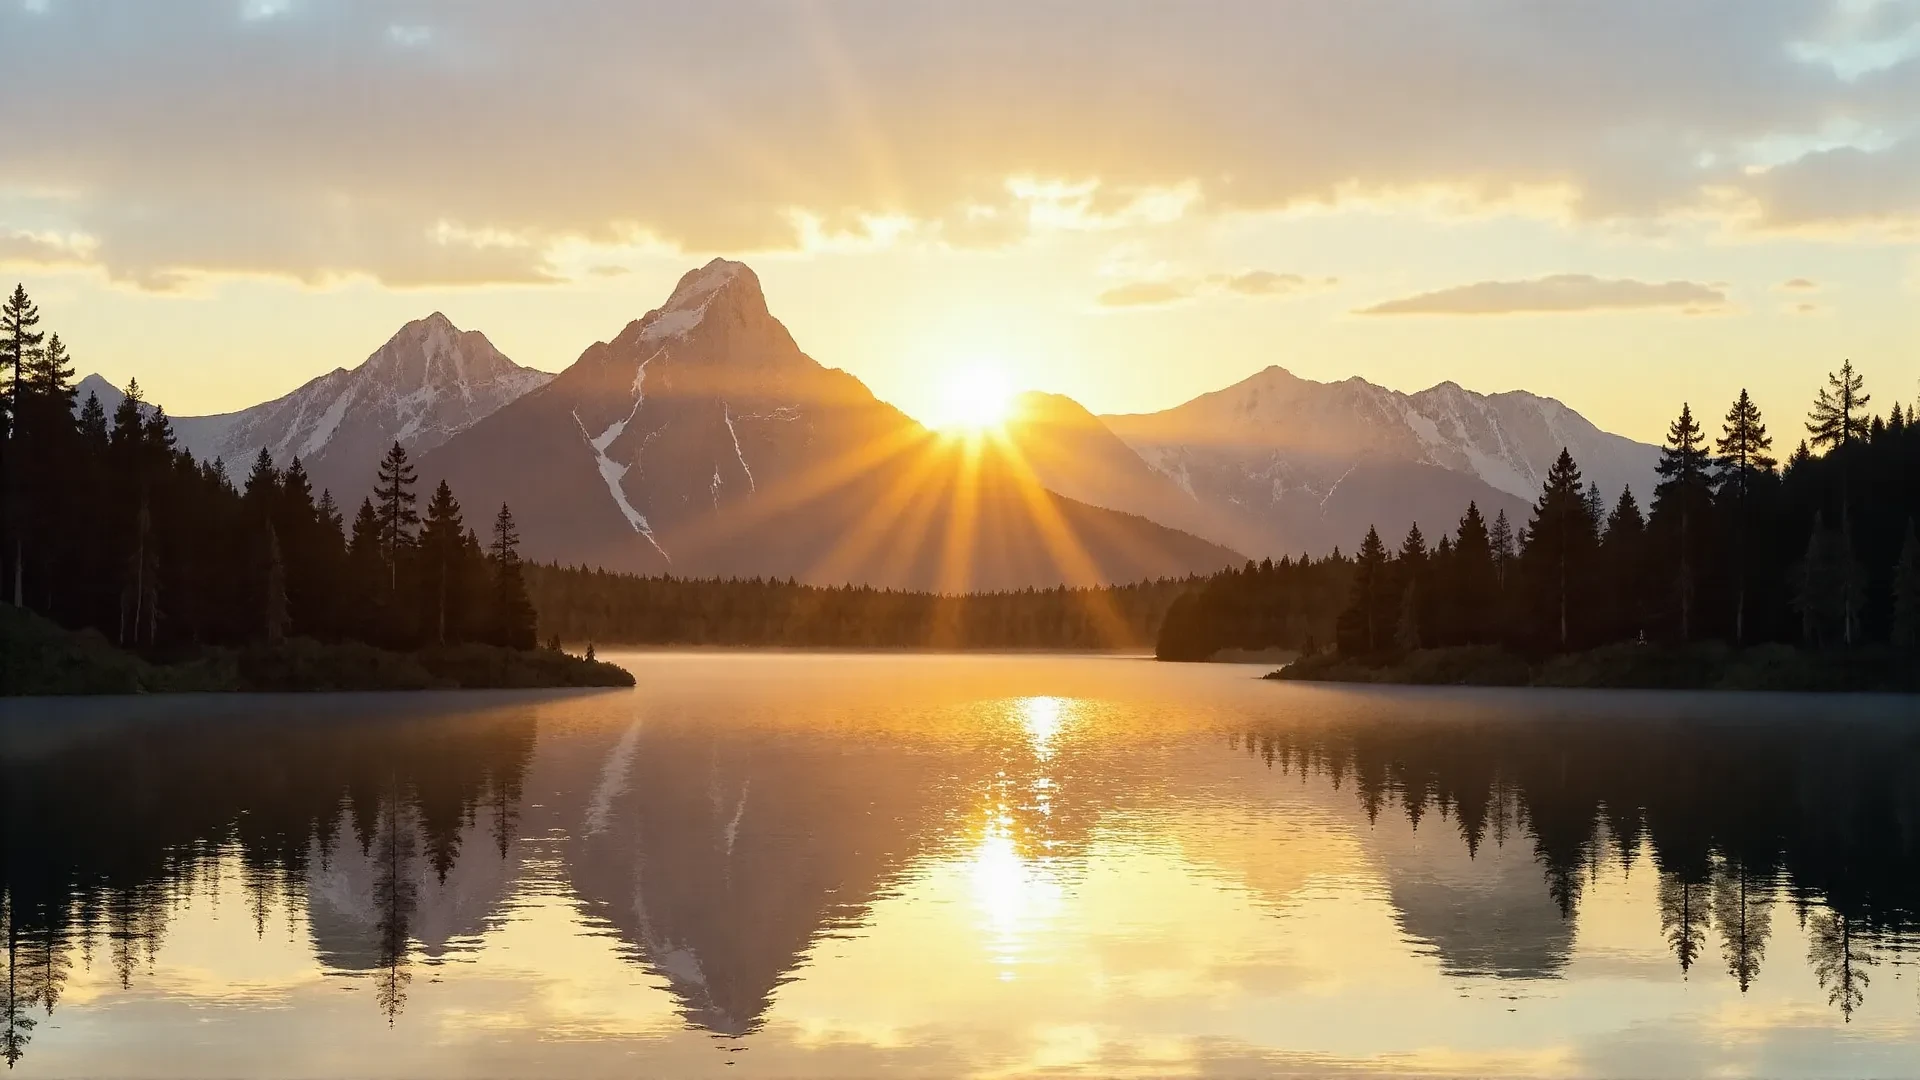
(834, 865)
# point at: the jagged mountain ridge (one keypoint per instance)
(427, 383)
(1277, 464)
(701, 441)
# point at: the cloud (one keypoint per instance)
(1842, 187)
(1800, 284)
(1268, 283)
(326, 140)
(28, 249)
(1805, 309)
(1146, 294)
(1558, 293)
(1168, 290)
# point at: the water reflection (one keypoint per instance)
(1063, 867)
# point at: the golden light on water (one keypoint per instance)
(1043, 718)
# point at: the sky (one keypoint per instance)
(1623, 205)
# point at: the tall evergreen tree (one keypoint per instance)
(19, 347)
(513, 622)
(1839, 413)
(1742, 465)
(1504, 546)
(1475, 594)
(1558, 554)
(1410, 630)
(394, 494)
(1369, 621)
(1623, 566)
(1682, 502)
(441, 550)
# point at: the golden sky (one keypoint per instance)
(1620, 205)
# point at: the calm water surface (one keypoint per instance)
(787, 865)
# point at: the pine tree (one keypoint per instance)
(1370, 615)
(513, 617)
(1558, 549)
(1839, 413)
(1476, 582)
(1906, 594)
(394, 493)
(1743, 461)
(1681, 503)
(1503, 547)
(440, 551)
(262, 489)
(368, 577)
(19, 347)
(1411, 625)
(1623, 559)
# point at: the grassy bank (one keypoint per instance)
(38, 657)
(1706, 666)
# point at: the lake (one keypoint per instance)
(803, 865)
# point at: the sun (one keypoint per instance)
(974, 398)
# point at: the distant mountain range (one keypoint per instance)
(702, 441)
(1277, 463)
(430, 381)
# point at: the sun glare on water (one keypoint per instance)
(974, 398)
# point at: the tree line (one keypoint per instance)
(106, 524)
(1733, 545)
(581, 604)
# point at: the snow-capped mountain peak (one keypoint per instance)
(428, 382)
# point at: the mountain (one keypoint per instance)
(702, 441)
(1277, 463)
(429, 382)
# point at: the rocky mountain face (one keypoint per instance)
(430, 381)
(1278, 464)
(702, 441)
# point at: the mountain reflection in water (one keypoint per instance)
(843, 865)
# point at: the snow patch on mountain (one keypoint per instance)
(726, 413)
(612, 472)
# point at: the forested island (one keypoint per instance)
(1742, 573)
(128, 566)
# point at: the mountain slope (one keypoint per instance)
(702, 441)
(430, 381)
(1297, 465)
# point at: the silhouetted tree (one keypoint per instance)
(1743, 465)
(512, 617)
(1623, 562)
(1682, 507)
(1475, 593)
(393, 493)
(1839, 413)
(1558, 553)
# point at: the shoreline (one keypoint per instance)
(1712, 666)
(41, 659)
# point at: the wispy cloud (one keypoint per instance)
(1268, 283)
(1169, 290)
(1559, 293)
(1800, 284)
